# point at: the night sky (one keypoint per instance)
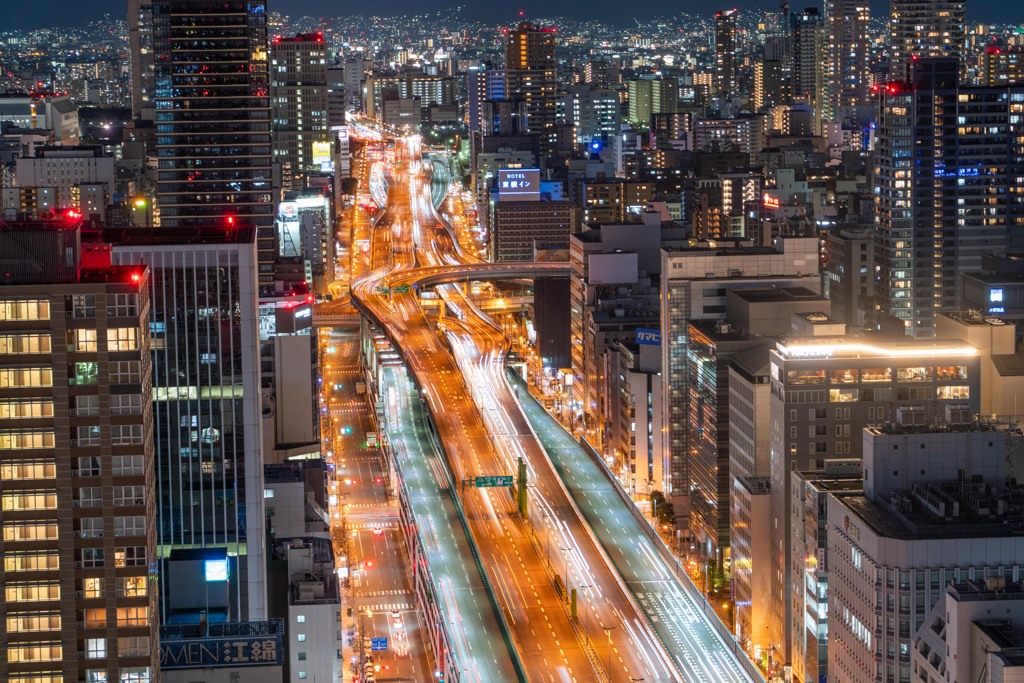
(22, 14)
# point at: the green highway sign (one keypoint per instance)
(494, 481)
(381, 289)
(401, 289)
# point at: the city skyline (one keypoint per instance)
(19, 16)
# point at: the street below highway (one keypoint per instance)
(633, 620)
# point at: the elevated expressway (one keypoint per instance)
(620, 633)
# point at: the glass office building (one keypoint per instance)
(212, 99)
(206, 402)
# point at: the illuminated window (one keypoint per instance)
(131, 587)
(27, 622)
(805, 376)
(916, 374)
(876, 375)
(34, 652)
(14, 501)
(23, 344)
(24, 309)
(85, 373)
(123, 339)
(131, 556)
(82, 340)
(953, 392)
(13, 408)
(132, 616)
(26, 439)
(39, 677)
(92, 587)
(28, 469)
(96, 648)
(30, 531)
(26, 377)
(94, 617)
(36, 591)
(948, 372)
(135, 674)
(32, 560)
(843, 376)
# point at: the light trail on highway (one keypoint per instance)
(653, 627)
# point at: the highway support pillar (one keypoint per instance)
(521, 488)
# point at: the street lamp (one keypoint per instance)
(608, 630)
(586, 615)
(566, 552)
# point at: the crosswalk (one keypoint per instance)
(371, 525)
(374, 601)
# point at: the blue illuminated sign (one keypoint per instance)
(995, 295)
(648, 337)
(997, 309)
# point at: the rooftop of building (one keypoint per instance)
(227, 629)
(915, 523)
(776, 294)
(895, 428)
(719, 331)
(995, 278)
(868, 347)
(77, 151)
(753, 363)
(817, 318)
(310, 37)
(992, 588)
(627, 315)
(1009, 364)
(148, 237)
(973, 319)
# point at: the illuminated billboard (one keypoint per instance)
(519, 184)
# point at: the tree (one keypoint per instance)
(349, 185)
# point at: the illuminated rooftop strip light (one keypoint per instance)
(849, 348)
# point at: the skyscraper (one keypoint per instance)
(213, 117)
(530, 76)
(298, 90)
(649, 96)
(140, 51)
(808, 51)
(944, 194)
(76, 464)
(846, 22)
(725, 52)
(924, 28)
(207, 440)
